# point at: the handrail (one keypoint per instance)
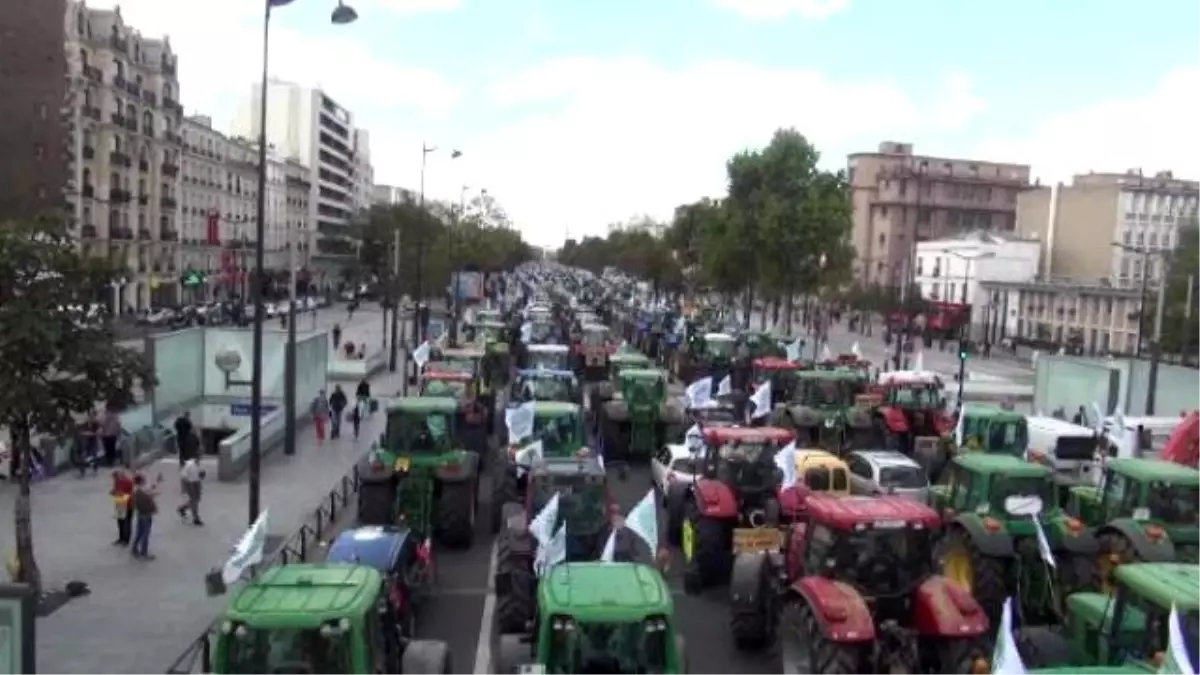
(294, 549)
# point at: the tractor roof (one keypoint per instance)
(1164, 583)
(847, 512)
(373, 546)
(545, 373)
(424, 404)
(606, 592)
(555, 408)
(642, 374)
(989, 463)
(547, 349)
(1155, 470)
(994, 412)
(434, 373)
(908, 378)
(306, 595)
(748, 434)
(838, 375)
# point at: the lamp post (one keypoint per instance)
(964, 331)
(342, 14)
(1156, 345)
(418, 332)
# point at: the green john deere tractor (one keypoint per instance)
(1146, 511)
(995, 429)
(824, 414)
(420, 474)
(559, 426)
(598, 393)
(325, 618)
(598, 618)
(991, 506)
(641, 418)
(1120, 632)
(583, 507)
(706, 355)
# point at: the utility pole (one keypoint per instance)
(1156, 346)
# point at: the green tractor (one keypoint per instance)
(995, 429)
(1146, 511)
(559, 426)
(824, 414)
(598, 618)
(324, 618)
(641, 418)
(583, 507)
(598, 393)
(991, 506)
(705, 355)
(1120, 632)
(420, 475)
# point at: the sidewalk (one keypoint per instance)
(141, 615)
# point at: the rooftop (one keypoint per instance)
(1100, 288)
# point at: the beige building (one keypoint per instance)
(901, 198)
(1080, 223)
(125, 118)
(1097, 317)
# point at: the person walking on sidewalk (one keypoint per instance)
(110, 431)
(336, 333)
(122, 494)
(320, 415)
(145, 507)
(337, 406)
(190, 477)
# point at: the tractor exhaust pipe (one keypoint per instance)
(757, 518)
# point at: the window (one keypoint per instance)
(1153, 239)
(1127, 237)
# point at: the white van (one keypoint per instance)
(1069, 449)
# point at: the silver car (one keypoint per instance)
(875, 472)
(672, 463)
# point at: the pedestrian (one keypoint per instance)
(337, 405)
(190, 477)
(83, 452)
(183, 436)
(363, 391)
(336, 333)
(122, 495)
(145, 507)
(357, 413)
(320, 415)
(110, 430)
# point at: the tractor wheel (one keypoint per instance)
(1043, 647)
(516, 606)
(426, 656)
(804, 647)
(1115, 550)
(983, 576)
(956, 655)
(707, 557)
(748, 623)
(675, 503)
(1077, 573)
(504, 492)
(456, 514)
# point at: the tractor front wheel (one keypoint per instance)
(456, 514)
(515, 606)
(504, 491)
(804, 647)
(706, 552)
(983, 576)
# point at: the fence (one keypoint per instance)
(295, 548)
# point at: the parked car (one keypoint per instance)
(673, 463)
(874, 472)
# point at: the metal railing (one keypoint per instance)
(197, 657)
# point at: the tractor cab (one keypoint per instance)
(405, 563)
(592, 350)
(913, 408)
(543, 329)
(706, 355)
(318, 618)
(781, 373)
(460, 359)
(763, 345)
(818, 408)
(440, 383)
(544, 385)
(547, 357)
(744, 459)
(484, 332)
(994, 429)
(581, 484)
(560, 428)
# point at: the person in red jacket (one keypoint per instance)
(122, 494)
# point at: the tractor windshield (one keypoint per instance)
(594, 338)
(412, 431)
(557, 433)
(718, 349)
(821, 393)
(881, 559)
(1150, 634)
(444, 388)
(582, 499)
(608, 648)
(1174, 504)
(1009, 437)
(546, 389)
(545, 360)
(253, 650)
(747, 466)
(542, 332)
(921, 397)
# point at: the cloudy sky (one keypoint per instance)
(578, 113)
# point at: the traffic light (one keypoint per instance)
(964, 349)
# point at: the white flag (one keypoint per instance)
(1043, 544)
(526, 332)
(553, 553)
(761, 400)
(248, 551)
(793, 351)
(919, 362)
(528, 456)
(856, 351)
(694, 439)
(725, 386)
(542, 525)
(420, 355)
(610, 547)
(519, 421)
(1005, 659)
(826, 355)
(785, 459)
(1176, 661)
(699, 393)
(643, 520)
(959, 427)
(599, 459)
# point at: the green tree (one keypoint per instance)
(54, 366)
(1182, 308)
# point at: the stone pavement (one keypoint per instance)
(141, 615)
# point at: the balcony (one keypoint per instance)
(150, 97)
(133, 88)
(171, 104)
(91, 111)
(143, 166)
(121, 233)
(119, 119)
(170, 169)
(119, 158)
(169, 235)
(120, 82)
(88, 232)
(118, 44)
(119, 196)
(144, 234)
(93, 73)
(143, 199)
(89, 152)
(298, 182)
(167, 202)
(88, 191)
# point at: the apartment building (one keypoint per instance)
(35, 158)
(1096, 317)
(901, 198)
(307, 125)
(124, 146)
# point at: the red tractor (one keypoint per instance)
(731, 506)
(913, 407)
(852, 591)
(780, 372)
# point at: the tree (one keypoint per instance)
(1182, 304)
(54, 366)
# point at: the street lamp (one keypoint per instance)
(455, 263)
(964, 332)
(1156, 345)
(343, 14)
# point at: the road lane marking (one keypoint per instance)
(483, 649)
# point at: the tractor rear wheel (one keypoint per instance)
(515, 606)
(804, 647)
(456, 514)
(955, 655)
(504, 491)
(707, 553)
(1043, 647)
(748, 622)
(1115, 549)
(983, 576)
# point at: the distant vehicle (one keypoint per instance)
(874, 472)
(673, 463)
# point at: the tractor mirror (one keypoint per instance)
(1019, 505)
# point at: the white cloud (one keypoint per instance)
(770, 10)
(957, 103)
(410, 6)
(611, 138)
(1153, 129)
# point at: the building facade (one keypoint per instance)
(1094, 318)
(1108, 227)
(363, 175)
(950, 270)
(901, 198)
(126, 119)
(390, 194)
(38, 110)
